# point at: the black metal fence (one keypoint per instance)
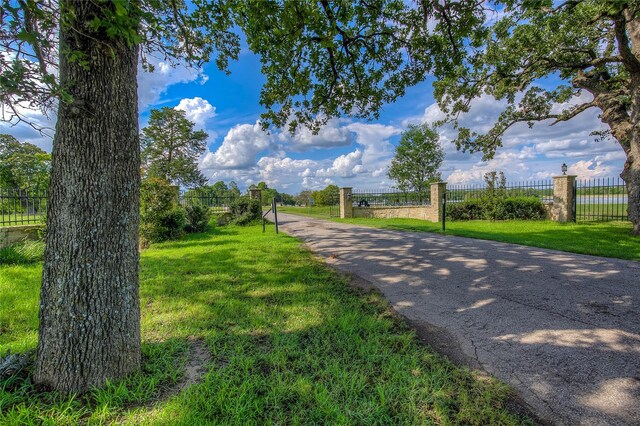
(334, 206)
(390, 198)
(217, 204)
(22, 207)
(542, 189)
(600, 199)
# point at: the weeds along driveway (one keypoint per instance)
(562, 328)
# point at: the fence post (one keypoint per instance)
(346, 204)
(562, 210)
(255, 193)
(444, 211)
(274, 209)
(437, 192)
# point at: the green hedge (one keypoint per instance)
(530, 208)
(466, 210)
(526, 208)
(245, 211)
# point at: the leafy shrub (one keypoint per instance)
(22, 253)
(197, 218)
(494, 208)
(466, 210)
(529, 208)
(157, 195)
(224, 219)
(161, 217)
(245, 211)
(163, 226)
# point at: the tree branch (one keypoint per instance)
(629, 59)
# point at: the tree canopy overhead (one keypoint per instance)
(169, 30)
(583, 46)
(321, 59)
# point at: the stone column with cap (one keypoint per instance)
(437, 192)
(562, 210)
(346, 204)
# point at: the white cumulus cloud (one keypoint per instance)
(239, 149)
(586, 169)
(347, 165)
(197, 110)
(331, 135)
(283, 172)
(152, 85)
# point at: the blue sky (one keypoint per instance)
(347, 152)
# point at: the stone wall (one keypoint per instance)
(15, 234)
(560, 210)
(430, 213)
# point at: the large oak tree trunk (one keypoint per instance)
(89, 309)
(631, 176)
(631, 131)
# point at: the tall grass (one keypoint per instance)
(22, 253)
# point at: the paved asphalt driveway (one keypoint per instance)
(563, 329)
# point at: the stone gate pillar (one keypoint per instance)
(562, 210)
(346, 204)
(255, 194)
(437, 192)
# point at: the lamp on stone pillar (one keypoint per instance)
(564, 168)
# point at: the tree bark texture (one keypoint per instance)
(622, 118)
(631, 177)
(631, 172)
(89, 308)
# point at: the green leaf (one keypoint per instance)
(120, 9)
(26, 36)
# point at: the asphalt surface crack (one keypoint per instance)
(549, 311)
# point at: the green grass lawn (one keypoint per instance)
(608, 239)
(323, 212)
(595, 210)
(291, 343)
(15, 219)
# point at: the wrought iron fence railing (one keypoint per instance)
(334, 207)
(22, 207)
(217, 204)
(601, 199)
(541, 189)
(389, 198)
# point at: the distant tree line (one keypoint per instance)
(324, 197)
(23, 165)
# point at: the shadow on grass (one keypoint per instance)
(162, 368)
(291, 343)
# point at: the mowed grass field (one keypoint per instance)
(290, 342)
(323, 212)
(597, 211)
(608, 239)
